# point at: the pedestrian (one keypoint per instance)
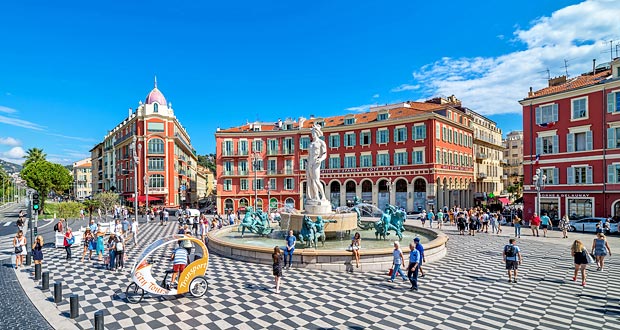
(166, 215)
(125, 227)
(37, 251)
(517, 223)
(120, 252)
(600, 248)
(356, 244)
(414, 262)
(534, 223)
(87, 240)
(277, 266)
(118, 227)
(420, 249)
(134, 231)
(563, 225)
(461, 223)
(473, 225)
(186, 243)
(397, 263)
(289, 249)
(58, 227)
(512, 259)
(195, 222)
(111, 247)
(203, 229)
(68, 241)
(599, 228)
(99, 213)
(19, 245)
(431, 217)
(92, 226)
(179, 261)
(485, 222)
(99, 245)
(423, 218)
(161, 218)
(440, 216)
(580, 258)
(545, 223)
(500, 219)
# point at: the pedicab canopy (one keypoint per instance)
(141, 270)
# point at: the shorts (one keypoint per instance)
(544, 226)
(512, 265)
(178, 268)
(533, 227)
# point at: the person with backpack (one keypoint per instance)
(512, 259)
(68, 241)
(58, 226)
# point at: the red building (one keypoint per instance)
(573, 125)
(417, 155)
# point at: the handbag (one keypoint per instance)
(590, 258)
(71, 240)
(391, 272)
(18, 249)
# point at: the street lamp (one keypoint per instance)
(539, 181)
(268, 187)
(255, 158)
(135, 174)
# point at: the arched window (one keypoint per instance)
(155, 107)
(259, 204)
(289, 202)
(156, 146)
(228, 204)
(243, 202)
(156, 181)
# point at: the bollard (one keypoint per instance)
(37, 272)
(28, 258)
(99, 320)
(74, 306)
(57, 292)
(45, 282)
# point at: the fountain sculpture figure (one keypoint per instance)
(255, 222)
(392, 219)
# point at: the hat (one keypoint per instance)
(417, 239)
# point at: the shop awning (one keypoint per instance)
(504, 200)
(142, 199)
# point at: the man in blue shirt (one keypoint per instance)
(431, 217)
(512, 258)
(414, 265)
(290, 248)
(545, 223)
(420, 249)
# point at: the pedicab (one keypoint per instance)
(192, 279)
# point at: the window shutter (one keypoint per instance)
(570, 179)
(538, 145)
(556, 176)
(361, 138)
(570, 139)
(611, 138)
(538, 115)
(555, 113)
(556, 144)
(589, 140)
(589, 175)
(395, 134)
(610, 102)
(404, 134)
(423, 132)
(611, 173)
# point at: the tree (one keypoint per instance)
(107, 200)
(91, 205)
(34, 155)
(207, 161)
(68, 210)
(5, 183)
(45, 177)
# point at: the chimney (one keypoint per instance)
(531, 93)
(593, 66)
(130, 111)
(557, 81)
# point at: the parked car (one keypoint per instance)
(588, 224)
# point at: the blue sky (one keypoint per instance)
(69, 71)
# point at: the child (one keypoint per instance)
(179, 261)
(277, 266)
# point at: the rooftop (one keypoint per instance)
(584, 80)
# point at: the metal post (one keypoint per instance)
(74, 306)
(57, 292)
(99, 325)
(255, 165)
(45, 282)
(37, 272)
(135, 176)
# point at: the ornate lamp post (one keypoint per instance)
(539, 181)
(255, 158)
(268, 187)
(135, 174)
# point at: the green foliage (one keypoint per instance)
(207, 161)
(69, 210)
(91, 205)
(45, 177)
(107, 200)
(34, 155)
(51, 208)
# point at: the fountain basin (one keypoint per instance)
(344, 221)
(371, 259)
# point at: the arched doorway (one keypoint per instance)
(384, 194)
(334, 197)
(401, 193)
(367, 191)
(228, 204)
(243, 202)
(419, 195)
(350, 189)
(290, 202)
(273, 204)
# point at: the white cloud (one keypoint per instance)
(83, 139)
(14, 155)
(493, 85)
(375, 96)
(361, 108)
(9, 141)
(405, 87)
(7, 109)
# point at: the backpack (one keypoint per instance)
(119, 246)
(510, 250)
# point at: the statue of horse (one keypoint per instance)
(307, 232)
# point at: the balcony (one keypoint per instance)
(242, 153)
(481, 156)
(227, 173)
(288, 151)
(272, 152)
(243, 172)
(182, 172)
(227, 153)
(482, 175)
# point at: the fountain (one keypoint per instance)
(317, 222)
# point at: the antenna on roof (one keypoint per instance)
(610, 51)
(548, 73)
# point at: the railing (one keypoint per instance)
(482, 175)
(225, 172)
(242, 153)
(272, 152)
(481, 156)
(227, 153)
(272, 172)
(287, 151)
(243, 172)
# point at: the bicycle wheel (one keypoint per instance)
(198, 286)
(134, 293)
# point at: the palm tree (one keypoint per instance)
(34, 155)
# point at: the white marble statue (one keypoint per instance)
(317, 152)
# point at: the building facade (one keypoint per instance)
(572, 136)
(416, 155)
(488, 152)
(82, 179)
(150, 144)
(513, 160)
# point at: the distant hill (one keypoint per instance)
(10, 167)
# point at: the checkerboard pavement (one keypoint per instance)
(467, 289)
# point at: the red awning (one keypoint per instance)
(142, 199)
(504, 200)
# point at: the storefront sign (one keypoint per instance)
(456, 168)
(564, 195)
(362, 169)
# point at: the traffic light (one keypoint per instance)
(36, 231)
(36, 203)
